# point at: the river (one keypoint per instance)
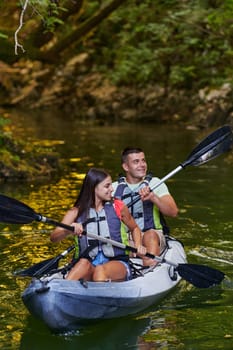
(189, 318)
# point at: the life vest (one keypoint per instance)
(145, 213)
(105, 223)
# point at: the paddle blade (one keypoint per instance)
(200, 276)
(13, 211)
(13, 218)
(212, 146)
(38, 269)
(45, 266)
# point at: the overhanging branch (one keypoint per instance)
(17, 45)
(52, 53)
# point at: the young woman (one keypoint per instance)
(95, 212)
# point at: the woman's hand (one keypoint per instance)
(78, 229)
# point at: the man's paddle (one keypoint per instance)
(212, 146)
(14, 211)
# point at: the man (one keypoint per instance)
(150, 207)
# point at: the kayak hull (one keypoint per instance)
(65, 305)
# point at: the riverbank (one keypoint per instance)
(89, 96)
(23, 160)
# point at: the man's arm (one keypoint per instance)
(166, 203)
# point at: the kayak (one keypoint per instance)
(66, 305)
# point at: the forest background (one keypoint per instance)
(112, 60)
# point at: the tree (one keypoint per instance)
(83, 19)
(183, 44)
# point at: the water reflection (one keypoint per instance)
(189, 318)
(111, 334)
(210, 253)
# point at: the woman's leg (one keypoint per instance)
(112, 270)
(83, 269)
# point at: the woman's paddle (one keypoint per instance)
(16, 212)
(212, 146)
(44, 267)
(200, 276)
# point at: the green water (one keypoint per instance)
(189, 318)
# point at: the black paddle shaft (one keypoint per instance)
(14, 211)
(45, 266)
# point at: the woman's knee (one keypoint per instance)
(83, 268)
(99, 274)
(84, 262)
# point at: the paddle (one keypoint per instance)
(212, 146)
(45, 266)
(14, 211)
(200, 276)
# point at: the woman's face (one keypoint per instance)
(103, 190)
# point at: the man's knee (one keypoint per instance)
(151, 235)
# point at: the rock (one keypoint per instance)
(82, 94)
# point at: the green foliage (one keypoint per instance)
(89, 8)
(3, 122)
(3, 36)
(20, 159)
(49, 11)
(184, 44)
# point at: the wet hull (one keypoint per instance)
(64, 305)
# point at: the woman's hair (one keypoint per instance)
(86, 197)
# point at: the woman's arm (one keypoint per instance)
(129, 221)
(69, 219)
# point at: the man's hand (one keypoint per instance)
(146, 194)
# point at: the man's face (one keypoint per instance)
(135, 165)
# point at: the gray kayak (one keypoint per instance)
(66, 305)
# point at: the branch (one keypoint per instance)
(17, 45)
(71, 8)
(78, 34)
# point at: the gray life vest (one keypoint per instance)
(145, 213)
(105, 223)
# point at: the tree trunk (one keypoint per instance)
(72, 8)
(52, 54)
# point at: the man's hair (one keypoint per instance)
(127, 151)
